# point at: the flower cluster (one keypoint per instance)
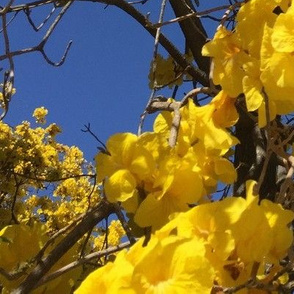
(31, 159)
(44, 187)
(114, 234)
(212, 244)
(153, 180)
(40, 115)
(256, 57)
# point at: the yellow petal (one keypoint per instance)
(252, 90)
(250, 23)
(225, 114)
(121, 146)
(120, 186)
(262, 113)
(105, 166)
(155, 213)
(225, 170)
(283, 38)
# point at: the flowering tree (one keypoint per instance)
(203, 202)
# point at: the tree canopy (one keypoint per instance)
(202, 203)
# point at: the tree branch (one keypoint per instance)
(94, 216)
(196, 73)
(193, 31)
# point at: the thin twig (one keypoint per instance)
(159, 105)
(6, 8)
(288, 179)
(22, 7)
(27, 12)
(62, 60)
(177, 115)
(9, 76)
(54, 180)
(12, 275)
(138, 2)
(10, 21)
(153, 67)
(194, 92)
(88, 130)
(156, 42)
(81, 261)
(41, 45)
(145, 112)
(124, 224)
(190, 15)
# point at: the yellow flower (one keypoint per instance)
(206, 123)
(214, 242)
(173, 265)
(40, 115)
(229, 228)
(14, 255)
(250, 24)
(283, 38)
(120, 186)
(211, 129)
(278, 219)
(277, 76)
(228, 57)
(261, 220)
(225, 113)
(177, 184)
(125, 167)
(252, 86)
(111, 278)
(256, 58)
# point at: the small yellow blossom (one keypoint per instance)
(40, 115)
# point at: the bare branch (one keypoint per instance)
(33, 4)
(190, 15)
(8, 76)
(124, 223)
(194, 32)
(55, 23)
(41, 45)
(62, 60)
(10, 21)
(27, 12)
(6, 8)
(196, 73)
(138, 2)
(155, 51)
(54, 180)
(88, 130)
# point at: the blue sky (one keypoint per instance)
(104, 80)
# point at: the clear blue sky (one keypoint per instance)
(104, 80)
